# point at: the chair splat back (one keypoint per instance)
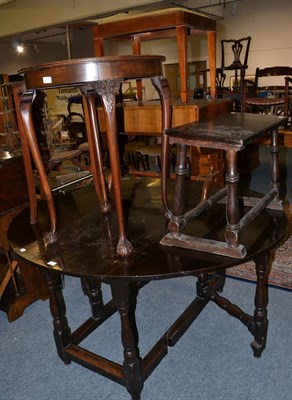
(240, 51)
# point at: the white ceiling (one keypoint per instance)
(2, 2)
(212, 8)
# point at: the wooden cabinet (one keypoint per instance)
(144, 118)
(20, 285)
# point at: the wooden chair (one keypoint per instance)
(147, 151)
(239, 51)
(75, 122)
(239, 48)
(132, 152)
(266, 95)
(52, 157)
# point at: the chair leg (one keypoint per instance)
(141, 159)
(146, 157)
(9, 275)
(159, 162)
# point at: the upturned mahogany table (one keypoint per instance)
(176, 23)
(94, 76)
(86, 249)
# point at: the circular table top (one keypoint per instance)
(84, 71)
(87, 239)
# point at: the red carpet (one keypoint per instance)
(281, 262)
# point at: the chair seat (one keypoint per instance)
(264, 101)
(132, 147)
(151, 150)
(131, 151)
(83, 146)
(65, 155)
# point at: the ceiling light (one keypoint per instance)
(20, 48)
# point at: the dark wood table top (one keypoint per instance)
(82, 71)
(229, 131)
(87, 239)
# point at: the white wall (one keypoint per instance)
(25, 15)
(268, 22)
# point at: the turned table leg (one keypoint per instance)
(132, 363)
(260, 313)
(92, 288)
(62, 332)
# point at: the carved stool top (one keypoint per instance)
(229, 131)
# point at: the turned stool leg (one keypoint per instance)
(274, 164)
(132, 363)
(232, 206)
(176, 223)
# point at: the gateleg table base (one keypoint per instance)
(135, 370)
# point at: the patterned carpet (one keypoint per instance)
(281, 265)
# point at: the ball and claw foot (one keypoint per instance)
(124, 247)
(51, 237)
(105, 208)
